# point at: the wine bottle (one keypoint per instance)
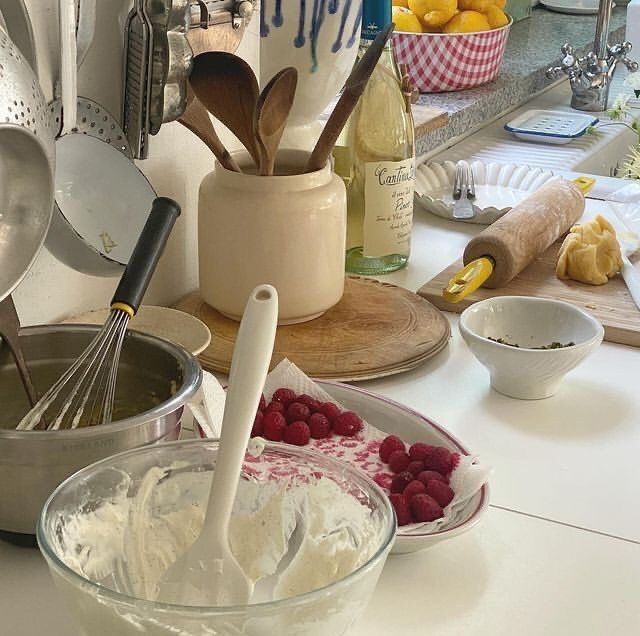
(376, 159)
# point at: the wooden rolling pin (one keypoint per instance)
(500, 252)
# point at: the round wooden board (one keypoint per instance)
(376, 330)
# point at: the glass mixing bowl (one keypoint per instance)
(92, 550)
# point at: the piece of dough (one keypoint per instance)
(590, 253)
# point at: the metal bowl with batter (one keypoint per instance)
(156, 378)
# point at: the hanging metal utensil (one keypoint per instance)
(85, 28)
(172, 59)
(218, 25)
(92, 230)
(27, 156)
(137, 81)
(18, 27)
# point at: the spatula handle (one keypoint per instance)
(249, 368)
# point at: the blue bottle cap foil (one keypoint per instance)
(376, 14)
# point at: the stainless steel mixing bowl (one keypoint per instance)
(156, 379)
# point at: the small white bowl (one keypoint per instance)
(527, 373)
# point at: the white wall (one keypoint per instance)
(177, 162)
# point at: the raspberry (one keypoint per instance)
(442, 493)
(420, 450)
(309, 401)
(425, 508)
(273, 425)
(398, 461)
(297, 412)
(347, 424)
(415, 467)
(256, 429)
(263, 403)
(329, 410)
(297, 433)
(389, 444)
(401, 505)
(286, 396)
(319, 425)
(274, 407)
(439, 459)
(415, 487)
(401, 481)
(427, 475)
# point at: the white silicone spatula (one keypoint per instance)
(208, 573)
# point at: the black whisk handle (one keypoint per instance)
(146, 253)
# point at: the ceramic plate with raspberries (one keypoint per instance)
(436, 487)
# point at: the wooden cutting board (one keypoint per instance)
(611, 304)
(376, 330)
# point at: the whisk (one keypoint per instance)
(92, 377)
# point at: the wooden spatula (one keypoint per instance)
(353, 89)
(272, 111)
(196, 119)
(227, 87)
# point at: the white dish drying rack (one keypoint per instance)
(498, 188)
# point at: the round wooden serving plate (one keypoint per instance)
(376, 330)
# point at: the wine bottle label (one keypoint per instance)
(388, 207)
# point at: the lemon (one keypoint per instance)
(501, 4)
(496, 17)
(475, 5)
(403, 3)
(433, 13)
(405, 20)
(420, 7)
(467, 22)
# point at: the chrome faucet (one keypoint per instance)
(590, 76)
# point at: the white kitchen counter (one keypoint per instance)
(557, 554)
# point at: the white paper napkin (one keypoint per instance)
(362, 450)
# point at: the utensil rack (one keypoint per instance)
(208, 13)
(162, 84)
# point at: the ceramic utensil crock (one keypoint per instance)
(287, 230)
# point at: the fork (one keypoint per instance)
(463, 192)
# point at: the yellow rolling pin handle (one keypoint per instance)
(468, 279)
(585, 184)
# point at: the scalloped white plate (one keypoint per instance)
(498, 188)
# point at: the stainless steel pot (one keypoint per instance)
(156, 379)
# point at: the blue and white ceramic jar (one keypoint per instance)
(320, 39)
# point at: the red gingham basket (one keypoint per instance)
(441, 62)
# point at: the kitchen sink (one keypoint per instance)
(608, 159)
(601, 152)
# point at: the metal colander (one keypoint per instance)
(27, 156)
(21, 100)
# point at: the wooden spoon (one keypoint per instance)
(196, 119)
(272, 111)
(227, 86)
(353, 88)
